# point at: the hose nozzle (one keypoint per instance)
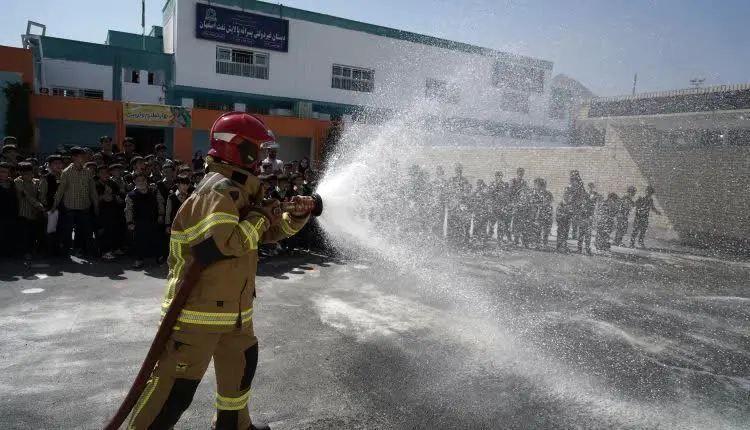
(317, 209)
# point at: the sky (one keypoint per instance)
(601, 43)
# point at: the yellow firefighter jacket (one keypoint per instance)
(208, 229)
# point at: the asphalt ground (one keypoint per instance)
(502, 339)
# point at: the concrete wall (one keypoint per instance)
(73, 74)
(200, 142)
(401, 69)
(57, 133)
(705, 190)
(142, 92)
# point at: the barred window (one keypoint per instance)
(84, 93)
(353, 78)
(239, 62)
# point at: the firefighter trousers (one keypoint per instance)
(173, 382)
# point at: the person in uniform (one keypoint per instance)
(218, 227)
(563, 215)
(516, 194)
(606, 221)
(624, 205)
(500, 207)
(543, 200)
(643, 207)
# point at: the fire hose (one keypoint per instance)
(192, 275)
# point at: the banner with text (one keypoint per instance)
(241, 28)
(157, 115)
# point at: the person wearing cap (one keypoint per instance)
(160, 150)
(277, 166)
(164, 188)
(30, 210)
(9, 154)
(8, 212)
(624, 205)
(48, 186)
(643, 207)
(77, 195)
(106, 150)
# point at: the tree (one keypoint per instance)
(18, 116)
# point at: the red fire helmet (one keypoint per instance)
(236, 138)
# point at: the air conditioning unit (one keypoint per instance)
(280, 112)
(303, 109)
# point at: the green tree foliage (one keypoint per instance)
(18, 116)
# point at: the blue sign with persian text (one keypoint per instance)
(241, 28)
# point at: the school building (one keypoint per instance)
(295, 68)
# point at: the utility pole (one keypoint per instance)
(635, 81)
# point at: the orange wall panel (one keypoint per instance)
(17, 60)
(315, 129)
(281, 125)
(183, 144)
(75, 109)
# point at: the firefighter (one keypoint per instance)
(219, 227)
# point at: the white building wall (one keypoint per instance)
(401, 69)
(70, 74)
(168, 35)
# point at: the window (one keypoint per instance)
(78, 92)
(440, 90)
(132, 76)
(353, 79)
(238, 62)
(155, 78)
(205, 104)
(517, 77)
(515, 102)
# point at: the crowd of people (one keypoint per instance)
(121, 203)
(117, 203)
(521, 213)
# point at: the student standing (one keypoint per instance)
(77, 195)
(30, 210)
(8, 212)
(643, 207)
(143, 217)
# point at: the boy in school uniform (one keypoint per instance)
(8, 212)
(624, 205)
(47, 189)
(175, 200)
(606, 221)
(643, 207)
(143, 218)
(543, 220)
(108, 233)
(563, 217)
(30, 210)
(77, 195)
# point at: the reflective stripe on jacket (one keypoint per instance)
(208, 228)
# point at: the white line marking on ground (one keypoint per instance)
(32, 290)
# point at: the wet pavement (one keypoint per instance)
(507, 339)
